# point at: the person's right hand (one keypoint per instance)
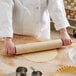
(9, 47)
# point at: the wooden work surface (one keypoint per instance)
(9, 64)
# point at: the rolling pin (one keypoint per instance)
(37, 46)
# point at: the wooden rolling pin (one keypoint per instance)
(38, 46)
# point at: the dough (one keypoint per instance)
(43, 56)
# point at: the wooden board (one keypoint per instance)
(9, 64)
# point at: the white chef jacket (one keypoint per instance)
(31, 17)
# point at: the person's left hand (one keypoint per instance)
(66, 39)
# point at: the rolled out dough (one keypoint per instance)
(43, 56)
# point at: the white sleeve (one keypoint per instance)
(6, 18)
(57, 12)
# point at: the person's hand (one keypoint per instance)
(9, 47)
(66, 40)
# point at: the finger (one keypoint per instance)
(10, 52)
(70, 42)
(67, 42)
(6, 51)
(13, 51)
(62, 42)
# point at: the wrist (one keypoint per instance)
(8, 38)
(63, 31)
